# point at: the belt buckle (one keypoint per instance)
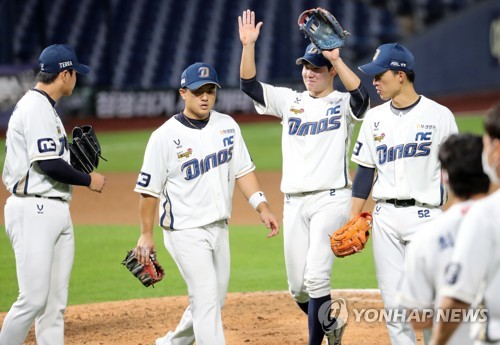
(402, 203)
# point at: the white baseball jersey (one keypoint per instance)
(315, 139)
(426, 258)
(193, 171)
(474, 270)
(404, 150)
(46, 139)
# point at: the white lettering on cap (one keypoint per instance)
(65, 64)
(377, 52)
(397, 64)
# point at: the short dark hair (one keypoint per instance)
(460, 156)
(492, 122)
(48, 78)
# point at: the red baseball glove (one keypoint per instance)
(147, 274)
(353, 236)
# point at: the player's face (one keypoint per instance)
(199, 102)
(388, 84)
(491, 149)
(318, 80)
(69, 82)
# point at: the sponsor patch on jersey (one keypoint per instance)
(185, 154)
(431, 127)
(296, 111)
(46, 145)
(379, 137)
(227, 131)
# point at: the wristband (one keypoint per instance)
(257, 198)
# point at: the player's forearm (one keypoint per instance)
(248, 68)
(249, 185)
(357, 205)
(346, 75)
(444, 330)
(147, 210)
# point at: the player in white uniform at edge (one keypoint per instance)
(37, 218)
(190, 165)
(430, 250)
(317, 127)
(473, 274)
(399, 140)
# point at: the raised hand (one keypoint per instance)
(249, 32)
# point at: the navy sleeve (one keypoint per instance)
(363, 181)
(61, 171)
(253, 89)
(359, 101)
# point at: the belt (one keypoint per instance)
(49, 197)
(401, 203)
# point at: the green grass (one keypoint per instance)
(257, 264)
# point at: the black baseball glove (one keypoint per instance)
(85, 149)
(322, 28)
(147, 274)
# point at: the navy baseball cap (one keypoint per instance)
(314, 56)
(59, 57)
(197, 75)
(390, 56)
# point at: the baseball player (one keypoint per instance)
(473, 274)
(37, 219)
(191, 164)
(317, 126)
(400, 140)
(430, 250)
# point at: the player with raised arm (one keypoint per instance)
(430, 250)
(190, 167)
(473, 274)
(38, 174)
(317, 127)
(399, 140)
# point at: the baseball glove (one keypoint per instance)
(352, 237)
(147, 274)
(322, 28)
(85, 149)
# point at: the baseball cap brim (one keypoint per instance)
(197, 84)
(313, 60)
(81, 68)
(372, 69)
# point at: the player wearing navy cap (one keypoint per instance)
(400, 140)
(190, 165)
(317, 128)
(37, 219)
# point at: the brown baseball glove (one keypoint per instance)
(353, 236)
(147, 274)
